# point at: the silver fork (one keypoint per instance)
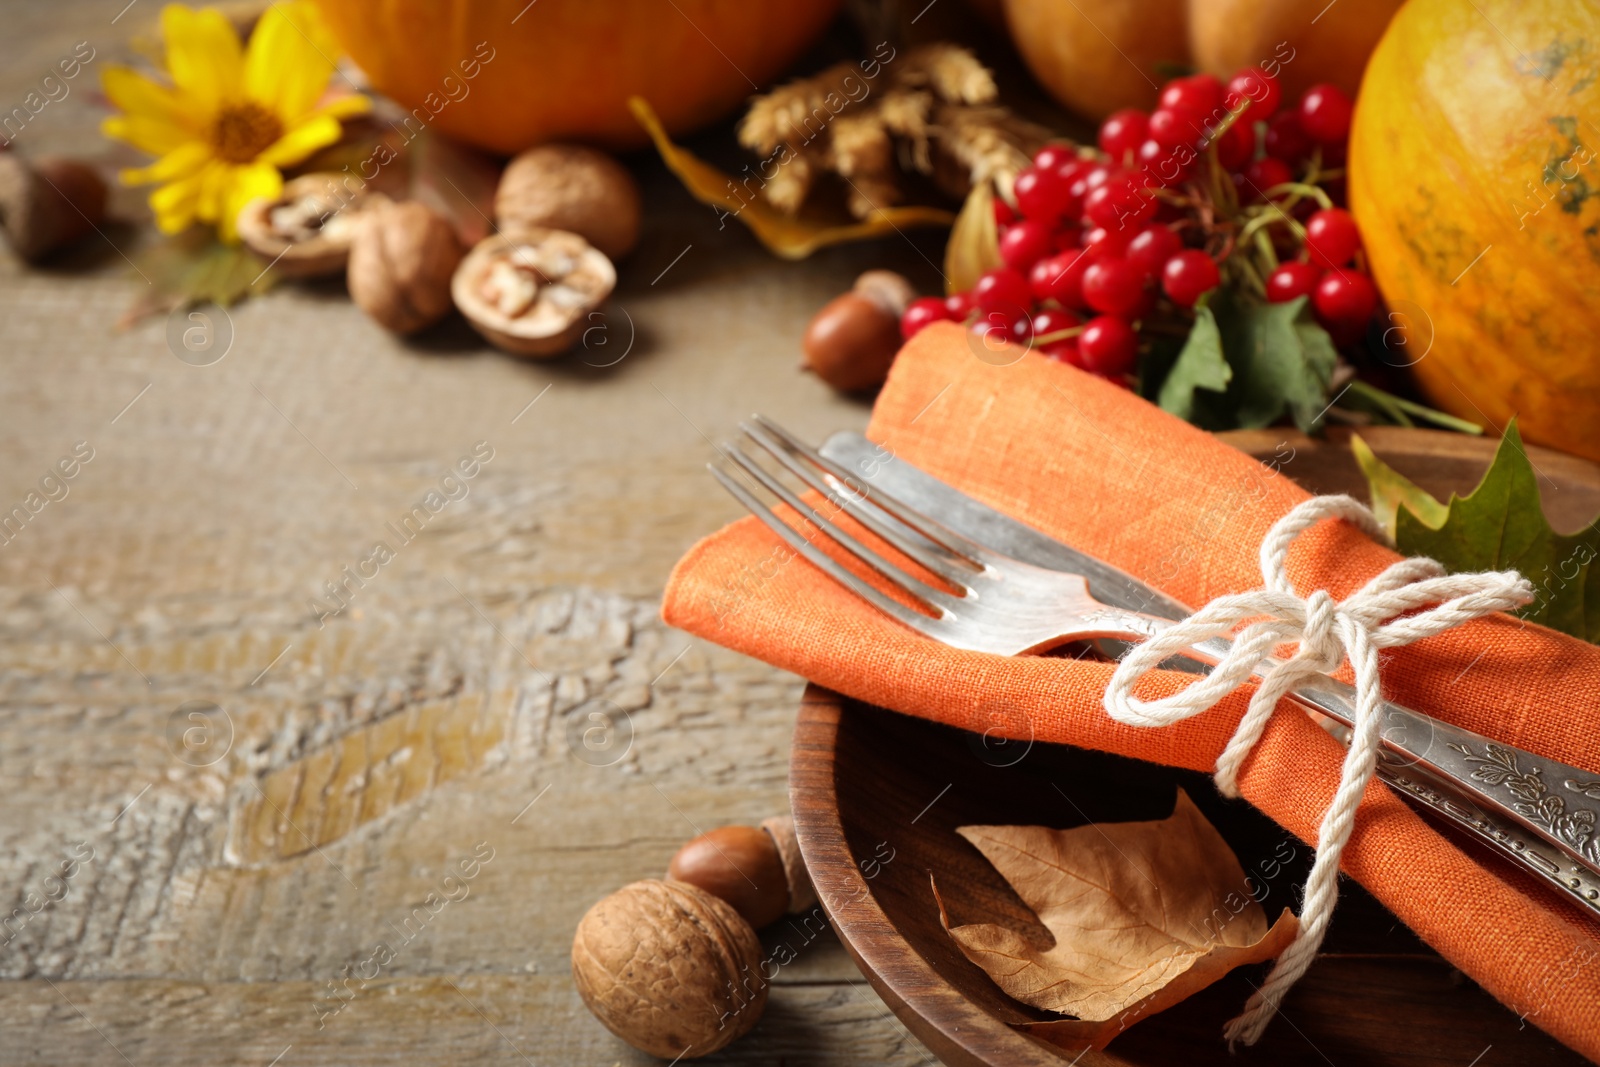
(995, 602)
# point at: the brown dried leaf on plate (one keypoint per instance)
(789, 237)
(1143, 915)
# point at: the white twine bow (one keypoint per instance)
(1328, 631)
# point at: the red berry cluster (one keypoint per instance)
(1101, 242)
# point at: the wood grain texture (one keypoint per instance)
(246, 864)
(876, 827)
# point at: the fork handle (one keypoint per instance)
(1503, 794)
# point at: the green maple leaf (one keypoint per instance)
(1500, 525)
(1246, 363)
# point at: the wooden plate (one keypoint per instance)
(877, 797)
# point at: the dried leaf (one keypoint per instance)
(193, 267)
(456, 181)
(1500, 525)
(791, 238)
(1143, 915)
(974, 245)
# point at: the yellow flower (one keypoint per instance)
(231, 116)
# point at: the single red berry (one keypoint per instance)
(1069, 238)
(1095, 174)
(1119, 205)
(1197, 94)
(1101, 243)
(1063, 351)
(993, 328)
(1172, 127)
(1051, 156)
(1237, 144)
(958, 306)
(1041, 195)
(1049, 321)
(1188, 275)
(922, 312)
(1122, 133)
(1025, 243)
(1261, 176)
(1107, 346)
(1344, 300)
(1332, 237)
(1325, 114)
(1060, 278)
(1002, 289)
(1004, 214)
(1258, 90)
(1163, 166)
(1292, 280)
(1114, 286)
(1150, 249)
(1021, 330)
(1285, 138)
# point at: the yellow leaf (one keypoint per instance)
(974, 245)
(791, 238)
(1390, 489)
(1143, 914)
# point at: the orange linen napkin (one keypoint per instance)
(1110, 474)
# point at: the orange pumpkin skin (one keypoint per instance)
(1095, 56)
(564, 69)
(1326, 44)
(1475, 177)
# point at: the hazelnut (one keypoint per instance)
(401, 258)
(532, 294)
(888, 290)
(49, 203)
(569, 187)
(851, 342)
(669, 968)
(738, 864)
(308, 228)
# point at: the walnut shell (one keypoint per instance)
(572, 188)
(669, 968)
(307, 229)
(49, 203)
(533, 294)
(401, 259)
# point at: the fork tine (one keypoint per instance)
(934, 598)
(820, 559)
(953, 568)
(919, 525)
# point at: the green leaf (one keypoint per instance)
(1500, 525)
(1200, 365)
(1390, 489)
(193, 267)
(1278, 361)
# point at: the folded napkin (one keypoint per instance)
(1093, 465)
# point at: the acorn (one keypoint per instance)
(48, 203)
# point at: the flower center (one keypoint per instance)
(243, 131)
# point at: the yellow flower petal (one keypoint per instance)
(153, 135)
(140, 97)
(203, 55)
(177, 203)
(301, 141)
(289, 60)
(344, 107)
(179, 163)
(213, 190)
(244, 185)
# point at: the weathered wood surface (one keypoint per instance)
(247, 862)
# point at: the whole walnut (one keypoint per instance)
(669, 968)
(402, 256)
(572, 188)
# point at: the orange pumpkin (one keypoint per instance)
(507, 74)
(1475, 178)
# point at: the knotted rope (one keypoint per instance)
(1328, 631)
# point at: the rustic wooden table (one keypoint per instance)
(252, 799)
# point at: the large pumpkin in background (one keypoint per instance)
(1475, 177)
(564, 69)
